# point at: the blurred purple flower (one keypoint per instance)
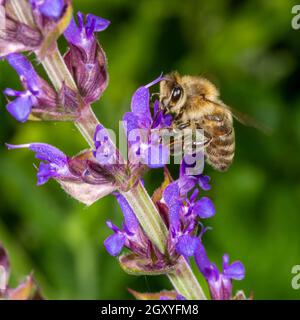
(27, 290)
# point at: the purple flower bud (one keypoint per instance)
(85, 59)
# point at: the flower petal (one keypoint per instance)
(131, 122)
(141, 97)
(171, 197)
(25, 70)
(204, 208)
(209, 270)
(186, 184)
(20, 108)
(46, 152)
(72, 33)
(187, 245)
(96, 24)
(235, 271)
(45, 173)
(204, 182)
(140, 101)
(115, 243)
(129, 216)
(52, 8)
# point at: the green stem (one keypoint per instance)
(182, 278)
(148, 215)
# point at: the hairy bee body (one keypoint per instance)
(194, 103)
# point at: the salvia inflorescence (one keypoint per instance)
(101, 170)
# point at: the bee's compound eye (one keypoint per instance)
(176, 93)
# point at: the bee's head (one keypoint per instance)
(172, 94)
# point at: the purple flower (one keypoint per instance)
(85, 59)
(38, 97)
(54, 165)
(82, 35)
(220, 284)
(145, 144)
(188, 182)
(20, 108)
(49, 8)
(38, 94)
(184, 212)
(130, 236)
(80, 176)
(186, 245)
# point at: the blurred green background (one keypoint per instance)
(249, 49)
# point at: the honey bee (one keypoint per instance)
(194, 103)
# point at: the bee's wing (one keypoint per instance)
(247, 120)
(244, 119)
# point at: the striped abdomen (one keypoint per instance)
(220, 151)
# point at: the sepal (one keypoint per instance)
(170, 295)
(136, 265)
